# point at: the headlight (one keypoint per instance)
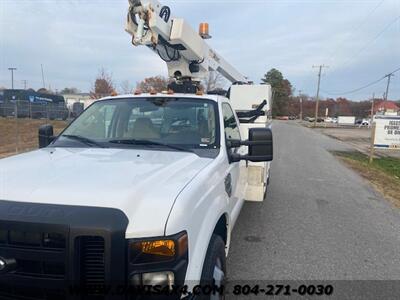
(158, 249)
(164, 279)
(158, 261)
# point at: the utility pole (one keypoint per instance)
(372, 110)
(44, 86)
(319, 84)
(25, 82)
(301, 105)
(388, 84)
(373, 132)
(12, 76)
(372, 106)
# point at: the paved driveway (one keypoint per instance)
(320, 219)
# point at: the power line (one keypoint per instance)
(395, 71)
(356, 90)
(25, 82)
(370, 42)
(363, 87)
(356, 28)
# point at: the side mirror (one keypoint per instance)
(260, 145)
(46, 135)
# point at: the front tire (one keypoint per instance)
(214, 268)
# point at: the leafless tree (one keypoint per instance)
(214, 81)
(126, 87)
(69, 90)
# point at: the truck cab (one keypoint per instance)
(139, 190)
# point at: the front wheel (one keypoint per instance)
(214, 268)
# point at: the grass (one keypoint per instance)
(383, 173)
(21, 135)
(389, 165)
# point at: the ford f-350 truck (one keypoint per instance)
(140, 190)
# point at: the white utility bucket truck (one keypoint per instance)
(140, 193)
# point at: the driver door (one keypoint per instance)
(234, 179)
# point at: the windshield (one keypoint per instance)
(180, 122)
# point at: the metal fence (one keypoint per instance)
(27, 109)
(20, 121)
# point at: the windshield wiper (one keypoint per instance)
(150, 143)
(84, 140)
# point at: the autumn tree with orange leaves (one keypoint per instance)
(103, 85)
(157, 84)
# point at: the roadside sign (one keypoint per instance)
(387, 132)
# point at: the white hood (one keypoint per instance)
(142, 183)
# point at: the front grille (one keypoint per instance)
(41, 257)
(92, 263)
(38, 254)
(41, 268)
(58, 249)
(32, 239)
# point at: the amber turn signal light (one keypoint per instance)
(158, 250)
(162, 247)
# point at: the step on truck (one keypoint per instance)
(140, 193)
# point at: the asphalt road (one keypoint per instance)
(320, 220)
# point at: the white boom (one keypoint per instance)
(189, 60)
(185, 52)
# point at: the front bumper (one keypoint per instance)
(64, 252)
(60, 247)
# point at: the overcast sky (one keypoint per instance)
(359, 40)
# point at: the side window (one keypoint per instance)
(95, 123)
(231, 127)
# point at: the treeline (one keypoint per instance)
(286, 104)
(331, 107)
(284, 101)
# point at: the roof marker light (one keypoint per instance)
(204, 31)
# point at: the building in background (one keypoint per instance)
(387, 108)
(83, 98)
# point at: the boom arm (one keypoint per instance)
(185, 52)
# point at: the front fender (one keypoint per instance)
(197, 210)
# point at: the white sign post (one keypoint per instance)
(387, 133)
(372, 148)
